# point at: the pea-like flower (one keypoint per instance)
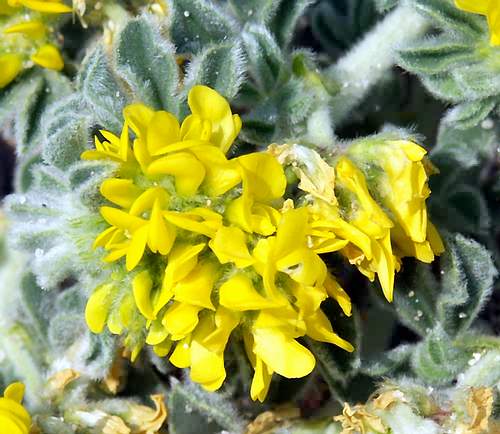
(488, 8)
(14, 418)
(201, 245)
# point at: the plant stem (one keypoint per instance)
(371, 59)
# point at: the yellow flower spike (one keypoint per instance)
(142, 286)
(49, 57)
(33, 29)
(230, 245)
(122, 192)
(185, 167)
(97, 309)
(207, 104)
(196, 287)
(46, 6)
(181, 319)
(163, 130)
(488, 8)
(282, 353)
(10, 67)
(238, 293)
(14, 419)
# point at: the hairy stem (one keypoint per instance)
(367, 63)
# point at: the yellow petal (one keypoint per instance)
(336, 292)
(196, 287)
(137, 246)
(261, 381)
(238, 293)
(263, 176)
(142, 286)
(122, 192)
(163, 130)
(474, 6)
(97, 309)
(157, 333)
(210, 105)
(10, 66)
(162, 349)
(161, 234)
(138, 116)
(181, 356)
(33, 29)
(147, 199)
(320, 329)
(14, 391)
(230, 245)
(48, 7)
(185, 167)
(121, 219)
(181, 319)
(195, 128)
(283, 354)
(200, 220)
(181, 261)
(49, 57)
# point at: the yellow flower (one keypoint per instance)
(10, 66)
(488, 8)
(14, 418)
(202, 247)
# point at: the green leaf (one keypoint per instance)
(191, 408)
(470, 113)
(385, 5)
(447, 16)
(264, 57)
(444, 86)
(146, 61)
(258, 11)
(435, 55)
(483, 371)
(31, 112)
(468, 273)
(285, 20)
(414, 298)
(220, 67)
(100, 90)
(476, 81)
(32, 302)
(198, 23)
(66, 132)
(23, 174)
(436, 360)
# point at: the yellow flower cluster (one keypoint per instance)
(14, 419)
(25, 36)
(344, 216)
(488, 8)
(209, 246)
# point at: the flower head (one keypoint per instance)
(203, 245)
(488, 8)
(373, 224)
(14, 418)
